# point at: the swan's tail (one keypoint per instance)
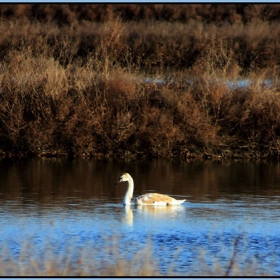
(177, 202)
(181, 201)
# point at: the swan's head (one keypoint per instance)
(125, 177)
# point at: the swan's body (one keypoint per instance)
(148, 198)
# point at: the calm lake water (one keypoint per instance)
(65, 205)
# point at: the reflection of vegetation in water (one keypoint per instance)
(78, 89)
(111, 260)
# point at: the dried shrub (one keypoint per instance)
(80, 89)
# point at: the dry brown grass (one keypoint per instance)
(69, 13)
(252, 44)
(86, 261)
(79, 89)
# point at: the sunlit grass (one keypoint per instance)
(79, 89)
(110, 259)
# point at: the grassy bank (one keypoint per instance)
(77, 87)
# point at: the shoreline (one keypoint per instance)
(184, 156)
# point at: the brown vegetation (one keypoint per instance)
(83, 261)
(73, 80)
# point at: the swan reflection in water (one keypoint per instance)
(128, 215)
(151, 212)
(160, 212)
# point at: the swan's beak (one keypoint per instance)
(120, 180)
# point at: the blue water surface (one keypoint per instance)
(99, 229)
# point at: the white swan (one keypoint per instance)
(148, 198)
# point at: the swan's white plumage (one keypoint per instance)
(148, 198)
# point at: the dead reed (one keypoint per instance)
(86, 261)
(79, 89)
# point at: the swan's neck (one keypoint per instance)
(129, 192)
